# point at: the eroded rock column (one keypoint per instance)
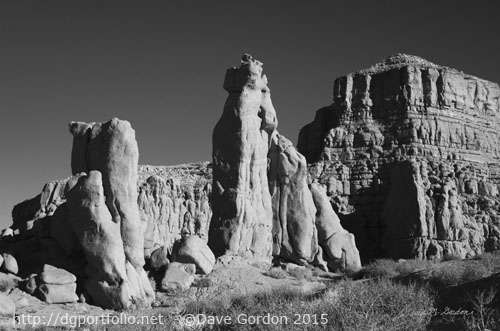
(103, 211)
(242, 212)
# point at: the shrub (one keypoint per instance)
(489, 260)
(380, 305)
(451, 257)
(382, 268)
(277, 273)
(447, 275)
(367, 305)
(474, 272)
(301, 273)
(486, 316)
(408, 266)
(453, 274)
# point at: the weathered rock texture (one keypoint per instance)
(165, 193)
(294, 231)
(111, 148)
(169, 211)
(242, 211)
(409, 153)
(103, 211)
(339, 246)
(262, 204)
(194, 250)
(56, 285)
(112, 280)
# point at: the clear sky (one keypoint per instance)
(161, 64)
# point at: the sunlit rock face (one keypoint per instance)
(241, 202)
(409, 153)
(262, 204)
(103, 212)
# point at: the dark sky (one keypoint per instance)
(161, 64)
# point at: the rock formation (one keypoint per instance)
(112, 280)
(294, 231)
(111, 148)
(262, 204)
(241, 202)
(168, 211)
(103, 211)
(338, 245)
(194, 250)
(408, 151)
(56, 285)
(162, 198)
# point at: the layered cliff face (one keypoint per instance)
(406, 109)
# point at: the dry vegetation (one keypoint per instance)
(385, 295)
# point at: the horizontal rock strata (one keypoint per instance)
(444, 121)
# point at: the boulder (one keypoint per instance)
(242, 211)
(56, 276)
(178, 277)
(194, 250)
(8, 282)
(159, 258)
(9, 232)
(7, 307)
(31, 284)
(52, 293)
(10, 264)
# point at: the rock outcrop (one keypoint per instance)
(111, 148)
(294, 231)
(408, 151)
(262, 204)
(169, 211)
(112, 280)
(339, 246)
(241, 202)
(102, 208)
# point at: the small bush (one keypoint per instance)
(203, 282)
(486, 316)
(409, 266)
(454, 274)
(380, 305)
(301, 273)
(451, 257)
(447, 275)
(489, 260)
(382, 268)
(277, 273)
(474, 272)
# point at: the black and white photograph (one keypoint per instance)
(249, 165)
